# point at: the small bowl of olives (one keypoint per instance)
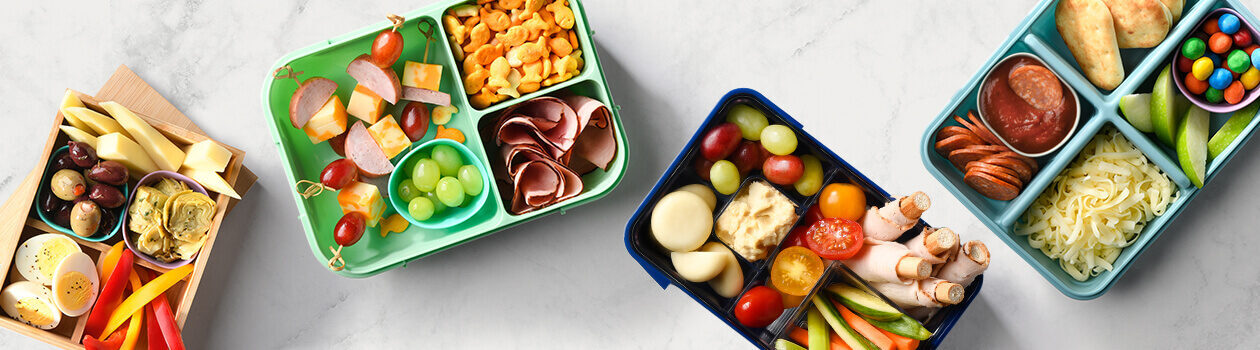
(81, 195)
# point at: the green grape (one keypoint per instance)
(778, 139)
(812, 178)
(448, 159)
(425, 175)
(470, 178)
(438, 207)
(407, 190)
(450, 192)
(725, 176)
(749, 120)
(420, 208)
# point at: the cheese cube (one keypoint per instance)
(389, 136)
(207, 155)
(362, 198)
(163, 152)
(422, 75)
(211, 181)
(365, 104)
(119, 148)
(99, 123)
(328, 122)
(79, 135)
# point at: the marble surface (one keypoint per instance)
(865, 77)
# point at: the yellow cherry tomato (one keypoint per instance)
(842, 200)
(796, 270)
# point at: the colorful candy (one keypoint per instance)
(1251, 49)
(1220, 79)
(1238, 61)
(1195, 86)
(1212, 26)
(1184, 64)
(1250, 78)
(1242, 38)
(1202, 68)
(1213, 95)
(1216, 59)
(1234, 93)
(1228, 23)
(1220, 43)
(1193, 48)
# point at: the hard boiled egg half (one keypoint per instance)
(76, 284)
(38, 258)
(30, 303)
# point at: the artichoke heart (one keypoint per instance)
(171, 186)
(188, 215)
(151, 242)
(145, 213)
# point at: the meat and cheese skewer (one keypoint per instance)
(889, 222)
(933, 245)
(931, 292)
(971, 261)
(888, 262)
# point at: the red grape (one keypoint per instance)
(720, 141)
(415, 120)
(349, 229)
(749, 156)
(339, 173)
(386, 48)
(783, 170)
(702, 167)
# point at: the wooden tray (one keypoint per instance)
(17, 222)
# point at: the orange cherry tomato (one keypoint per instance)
(796, 270)
(842, 200)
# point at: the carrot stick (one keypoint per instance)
(902, 343)
(865, 328)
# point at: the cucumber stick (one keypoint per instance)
(904, 326)
(817, 327)
(863, 303)
(784, 344)
(850, 336)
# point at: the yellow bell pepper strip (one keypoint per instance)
(133, 327)
(145, 294)
(156, 340)
(165, 320)
(112, 343)
(111, 295)
(110, 259)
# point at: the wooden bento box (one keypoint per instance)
(19, 220)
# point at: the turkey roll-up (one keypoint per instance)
(888, 262)
(931, 292)
(889, 222)
(933, 245)
(971, 260)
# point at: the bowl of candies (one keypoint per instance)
(1216, 66)
(438, 185)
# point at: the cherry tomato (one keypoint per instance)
(339, 173)
(797, 238)
(835, 238)
(788, 299)
(415, 120)
(813, 215)
(759, 307)
(796, 270)
(349, 229)
(386, 48)
(842, 200)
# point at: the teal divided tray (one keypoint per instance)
(304, 161)
(1099, 110)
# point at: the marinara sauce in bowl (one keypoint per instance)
(1027, 105)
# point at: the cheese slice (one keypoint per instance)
(422, 75)
(116, 147)
(99, 123)
(389, 136)
(72, 100)
(207, 155)
(365, 104)
(160, 149)
(211, 181)
(79, 135)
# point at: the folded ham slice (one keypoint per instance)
(547, 144)
(971, 261)
(931, 292)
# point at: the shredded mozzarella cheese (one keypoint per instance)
(1097, 206)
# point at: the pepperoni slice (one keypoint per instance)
(993, 149)
(961, 157)
(980, 129)
(1037, 86)
(1021, 169)
(952, 131)
(991, 187)
(1029, 161)
(1004, 174)
(956, 142)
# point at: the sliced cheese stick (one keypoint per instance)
(971, 261)
(889, 222)
(933, 245)
(888, 262)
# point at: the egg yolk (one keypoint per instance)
(35, 311)
(76, 290)
(51, 254)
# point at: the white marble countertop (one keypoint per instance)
(864, 77)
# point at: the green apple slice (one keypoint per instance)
(1164, 116)
(1137, 109)
(1232, 129)
(1192, 145)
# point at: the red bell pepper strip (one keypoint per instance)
(110, 297)
(165, 321)
(114, 341)
(156, 340)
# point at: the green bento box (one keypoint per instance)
(303, 160)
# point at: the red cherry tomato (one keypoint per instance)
(349, 229)
(813, 215)
(759, 307)
(835, 238)
(386, 48)
(797, 238)
(339, 173)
